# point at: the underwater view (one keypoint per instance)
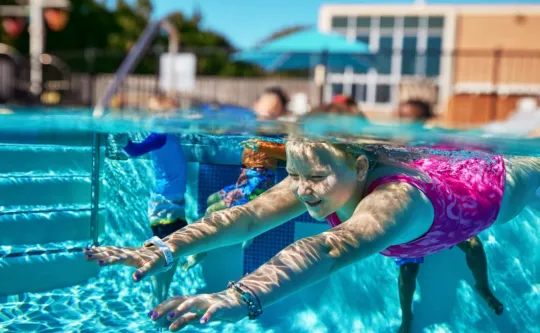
(56, 216)
(307, 166)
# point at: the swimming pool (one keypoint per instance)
(46, 178)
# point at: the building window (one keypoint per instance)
(339, 22)
(363, 38)
(363, 22)
(387, 21)
(337, 89)
(436, 22)
(359, 92)
(384, 56)
(409, 53)
(433, 54)
(411, 21)
(403, 46)
(382, 94)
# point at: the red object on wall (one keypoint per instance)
(56, 19)
(13, 26)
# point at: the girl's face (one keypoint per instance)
(321, 177)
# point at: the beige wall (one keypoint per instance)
(500, 31)
(465, 110)
(516, 35)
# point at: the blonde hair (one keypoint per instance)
(376, 154)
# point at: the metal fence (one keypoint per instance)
(79, 78)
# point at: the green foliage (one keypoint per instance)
(112, 32)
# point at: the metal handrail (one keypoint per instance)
(127, 65)
(95, 188)
(125, 68)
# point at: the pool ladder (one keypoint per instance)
(126, 67)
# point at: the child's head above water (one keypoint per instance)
(271, 104)
(415, 110)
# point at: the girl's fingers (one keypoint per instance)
(145, 270)
(187, 306)
(183, 321)
(167, 308)
(210, 314)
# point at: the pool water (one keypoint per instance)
(360, 298)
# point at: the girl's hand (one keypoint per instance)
(148, 260)
(184, 310)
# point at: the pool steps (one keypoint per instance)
(45, 183)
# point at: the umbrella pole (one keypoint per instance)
(325, 75)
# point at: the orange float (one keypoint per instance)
(56, 19)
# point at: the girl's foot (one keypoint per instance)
(406, 324)
(490, 299)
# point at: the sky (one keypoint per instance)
(246, 22)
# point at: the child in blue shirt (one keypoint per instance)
(166, 208)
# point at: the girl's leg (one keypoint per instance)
(407, 285)
(193, 260)
(476, 260)
(161, 284)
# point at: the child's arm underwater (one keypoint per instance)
(153, 142)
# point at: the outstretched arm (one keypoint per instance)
(237, 224)
(219, 229)
(384, 218)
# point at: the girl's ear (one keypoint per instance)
(362, 167)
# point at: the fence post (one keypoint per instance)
(495, 79)
(90, 58)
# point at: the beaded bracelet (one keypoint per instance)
(254, 310)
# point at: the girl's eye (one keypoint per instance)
(293, 176)
(317, 177)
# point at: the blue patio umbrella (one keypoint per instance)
(306, 49)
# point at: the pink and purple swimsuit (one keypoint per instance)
(466, 194)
